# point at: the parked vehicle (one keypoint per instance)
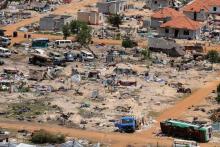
(57, 58)
(63, 43)
(186, 130)
(184, 143)
(40, 60)
(40, 43)
(127, 124)
(5, 52)
(4, 41)
(86, 56)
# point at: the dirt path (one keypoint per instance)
(177, 110)
(117, 139)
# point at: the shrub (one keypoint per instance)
(213, 56)
(128, 43)
(42, 136)
(217, 99)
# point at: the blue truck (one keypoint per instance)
(127, 124)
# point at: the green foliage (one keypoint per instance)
(115, 20)
(42, 136)
(146, 53)
(218, 94)
(118, 36)
(76, 26)
(66, 31)
(213, 56)
(128, 43)
(218, 99)
(218, 88)
(84, 37)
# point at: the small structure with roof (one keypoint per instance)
(199, 10)
(54, 22)
(181, 28)
(92, 17)
(163, 15)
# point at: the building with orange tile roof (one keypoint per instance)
(199, 10)
(182, 28)
(164, 15)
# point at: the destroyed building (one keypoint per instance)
(170, 47)
(158, 4)
(91, 17)
(111, 6)
(54, 22)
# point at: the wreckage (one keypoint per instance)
(169, 47)
(186, 130)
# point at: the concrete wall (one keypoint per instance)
(157, 4)
(103, 7)
(83, 16)
(192, 34)
(111, 7)
(155, 23)
(54, 23)
(92, 17)
(47, 24)
(201, 16)
(211, 10)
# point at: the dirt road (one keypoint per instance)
(137, 139)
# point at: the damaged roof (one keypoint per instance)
(182, 23)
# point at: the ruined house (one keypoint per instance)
(92, 17)
(169, 47)
(111, 6)
(54, 22)
(158, 4)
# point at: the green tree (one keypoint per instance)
(218, 94)
(115, 20)
(76, 26)
(213, 56)
(84, 37)
(146, 53)
(128, 43)
(66, 31)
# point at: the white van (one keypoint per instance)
(4, 52)
(4, 41)
(63, 43)
(184, 143)
(86, 56)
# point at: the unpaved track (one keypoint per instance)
(117, 139)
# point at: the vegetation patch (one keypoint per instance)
(42, 137)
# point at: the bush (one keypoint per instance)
(42, 136)
(213, 56)
(128, 43)
(217, 99)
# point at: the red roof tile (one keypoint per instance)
(198, 5)
(182, 23)
(166, 12)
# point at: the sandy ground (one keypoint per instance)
(115, 139)
(137, 139)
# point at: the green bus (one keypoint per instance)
(40, 43)
(186, 130)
